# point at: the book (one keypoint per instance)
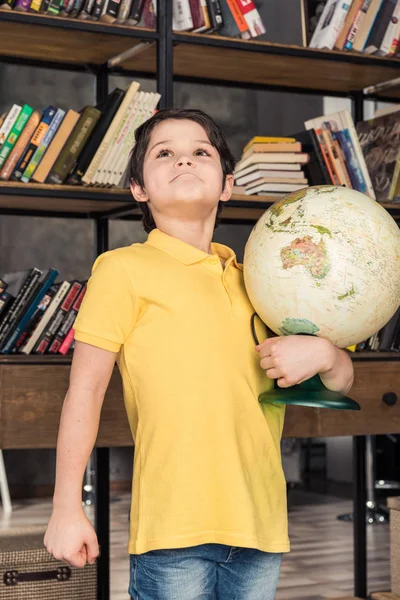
(136, 12)
(281, 176)
(206, 18)
(111, 107)
(330, 24)
(215, 13)
(272, 157)
(315, 170)
(283, 147)
(378, 30)
(342, 121)
(34, 320)
(111, 131)
(20, 145)
(366, 25)
(45, 281)
(87, 9)
(41, 149)
(68, 322)
(55, 147)
(392, 32)
(252, 17)
(234, 24)
(34, 143)
(196, 14)
(124, 10)
(379, 143)
(348, 23)
(360, 16)
(22, 286)
(268, 140)
(111, 13)
(70, 153)
(182, 16)
(48, 314)
(240, 172)
(8, 122)
(15, 132)
(274, 187)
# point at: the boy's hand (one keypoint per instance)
(293, 359)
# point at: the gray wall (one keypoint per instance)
(68, 245)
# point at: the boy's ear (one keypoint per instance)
(228, 187)
(138, 192)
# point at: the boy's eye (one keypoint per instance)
(163, 153)
(202, 152)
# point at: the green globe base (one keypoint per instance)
(309, 393)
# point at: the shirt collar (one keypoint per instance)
(185, 253)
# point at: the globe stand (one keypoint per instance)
(311, 393)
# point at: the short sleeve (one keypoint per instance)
(108, 311)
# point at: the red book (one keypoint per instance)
(252, 17)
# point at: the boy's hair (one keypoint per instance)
(142, 136)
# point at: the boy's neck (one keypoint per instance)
(198, 234)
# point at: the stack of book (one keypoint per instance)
(64, 146)
(271, 166)
(36, 314)
(231, 18)
(335, 153)
(370, 26)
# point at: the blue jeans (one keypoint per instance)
(205, 572)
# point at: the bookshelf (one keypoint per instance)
(91, 47)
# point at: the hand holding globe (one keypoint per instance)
(323, 261)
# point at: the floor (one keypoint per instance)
(319, 566)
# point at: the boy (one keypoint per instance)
(208, 516)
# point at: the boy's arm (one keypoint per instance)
(70, 535)
(338, 374)
(293, 359)
(90, 375)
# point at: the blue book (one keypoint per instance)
(41, 149)
(45, 282)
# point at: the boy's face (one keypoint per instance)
(182, 172)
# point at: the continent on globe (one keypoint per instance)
(293, 326)
(305, 252)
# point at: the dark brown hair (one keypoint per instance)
(143, 134)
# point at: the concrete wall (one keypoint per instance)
(68, 245)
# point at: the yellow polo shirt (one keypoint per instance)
(207, 465)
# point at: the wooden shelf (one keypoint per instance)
(62, 40)
(266, 63)
(74, 42)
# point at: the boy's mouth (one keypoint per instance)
(180, 175)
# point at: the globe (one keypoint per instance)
(324, 260)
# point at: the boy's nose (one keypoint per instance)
(184, 161)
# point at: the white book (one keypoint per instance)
(106, 141)
(275, 157)
(330, 24)
(128, 131)
(110, 155)
(48, 313)
(271, 175)
(104, 160)
(274, 187)
(181, 16)
(129, 143)
(9, 122)
(392, 31)
(263, 167)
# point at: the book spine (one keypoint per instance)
(215, 13)
(67, 323)
(35, 5)
(136, 12)
(111, 12)
(54, 7)
(196, 13)
(70, 153)
(347, 123)
(15, 133)
(351, 15)
(67, 343)
(379, 28)
(6, 301)
(35, 319)
(206, 18)
(87, 9)
(351, 160)
(20, 146)
(357, 24)
(98, 9)
(41, 149)
(391, 31)
(124, 11)
(58, 317)
(9, 122)
(18, 306)
(48, 314)
(327, 157)
(22, 5)
(237, 15)
(252, 17)
(76, 8)
(34, 143)
(28, 313)
(182, 16)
